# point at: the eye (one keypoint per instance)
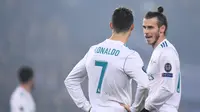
(150, 27)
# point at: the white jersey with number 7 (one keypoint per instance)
(110, 67)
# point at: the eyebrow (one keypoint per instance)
(147, 26)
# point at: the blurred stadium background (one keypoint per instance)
(53, 35)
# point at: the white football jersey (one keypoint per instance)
(165, 78)
(110, 67)
(22, 101)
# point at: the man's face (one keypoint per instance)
(31, 84)
(151, 30)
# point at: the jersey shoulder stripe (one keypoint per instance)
(164, 44)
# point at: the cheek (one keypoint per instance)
(155, 32)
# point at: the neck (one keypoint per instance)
(160, 39)
(26, 87)
(123, 37)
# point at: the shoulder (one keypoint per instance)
(168, 52)
(130, 53)
(169, 55)
(168, 49)
(17, 95)
(93, 47)
(134, 56)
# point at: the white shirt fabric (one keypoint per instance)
(22, 101)
(165, 78)
(110, 67)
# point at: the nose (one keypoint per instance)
(145, 30)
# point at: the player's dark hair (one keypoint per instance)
(162, 20)
(25, 74)
(122, 19)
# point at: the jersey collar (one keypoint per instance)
(115, 41)
(162, 44)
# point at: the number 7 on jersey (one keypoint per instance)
(102, 64)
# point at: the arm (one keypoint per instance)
(140, 97)
(73, 85)
(168, 72)
(133, 67)
(17, 104)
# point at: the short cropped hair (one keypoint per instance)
(122, 19)
(25, 74)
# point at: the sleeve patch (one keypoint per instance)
(168, 67)
(167, 75)
(21, 109)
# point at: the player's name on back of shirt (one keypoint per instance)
(107, 51)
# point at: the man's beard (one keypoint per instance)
(157, 36)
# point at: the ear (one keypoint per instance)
(111, 25)
(162, 29)
(132, 27)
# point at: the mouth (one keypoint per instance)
(148, 37)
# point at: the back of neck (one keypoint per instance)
(26, 87)
(123, 37)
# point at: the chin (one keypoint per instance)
(150, 43)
